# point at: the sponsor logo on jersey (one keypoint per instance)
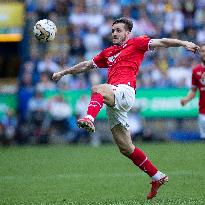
(112, 58)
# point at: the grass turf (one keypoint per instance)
(61, 175)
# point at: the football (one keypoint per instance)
(45, 30)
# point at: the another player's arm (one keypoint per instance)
(79, 68)
(169, 42)
(191, 94)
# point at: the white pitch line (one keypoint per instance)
(100, 175)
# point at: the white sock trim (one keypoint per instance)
(90, 117)
(157, 176)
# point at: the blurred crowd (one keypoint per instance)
(84, 29)
(88, 31)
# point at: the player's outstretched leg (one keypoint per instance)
(158, 178)
(100, 94)
(126, 147)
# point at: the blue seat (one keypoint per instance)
(183, 135)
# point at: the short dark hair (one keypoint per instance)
(128, 23)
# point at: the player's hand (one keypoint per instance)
(183, 102)
(57, 76)
(191, 46)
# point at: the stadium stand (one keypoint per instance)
(84, 29)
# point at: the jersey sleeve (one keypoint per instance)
(194, 81)
(100, 61)
(142, 43)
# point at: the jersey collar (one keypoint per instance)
(123, 45)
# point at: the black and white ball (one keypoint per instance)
(45, 30)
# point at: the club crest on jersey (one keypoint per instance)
(112, 58)
(199, 73)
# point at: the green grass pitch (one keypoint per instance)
(61, 175)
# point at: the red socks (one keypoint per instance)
(95, 105)
(139, 158)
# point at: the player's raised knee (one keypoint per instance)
(99, 89)
(95, 89)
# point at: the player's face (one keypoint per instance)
(119, 34)
(202, 53)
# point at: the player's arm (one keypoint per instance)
(191, 94)
(169, 42)
(79, 68)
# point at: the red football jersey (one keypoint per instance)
(123, 61)
(197, 82)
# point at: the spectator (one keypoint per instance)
(94, 18)
(95, 78)
(77, 48)
(112, 8)
(25, 92)
(8, 127)
(136, 123)
(60, 112)
(37, 104)
(201, 36)
(44, 7)
(188, 9)
(80, 110)
(145, 26)
(183, 74)
(77, 16)
(45, 83)
(92, 42)
(47, 65)
(199, 19)
(37, 118)
(174, 21)
(81, 106)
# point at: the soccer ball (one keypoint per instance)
(45, 30)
